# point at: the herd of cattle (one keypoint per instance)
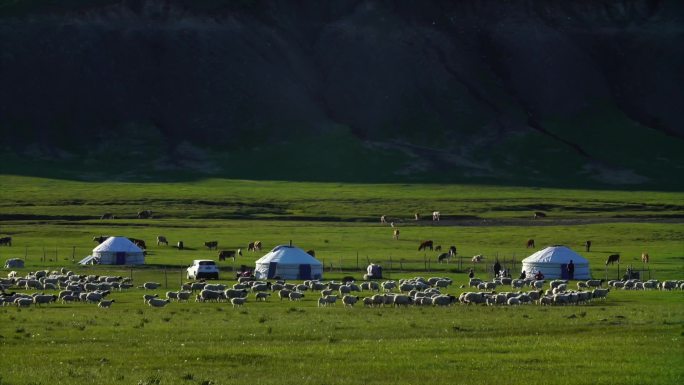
(418, 291)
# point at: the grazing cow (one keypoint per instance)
(539, 214)
(311, 253)
(438, 248)
(254, 246)
(644, 257)
(180, 245)
(444, 257)
(100, 239)
(530, 243)
(452, 250)
(383, 219)
(162, 239)
(435, 216)
(144, 214)
(138, 242)
(6, 241)
(211, 244)
(416, 216)
(612, 259)
(107, 216)
(425, 245)
(587, 246)
(223, 254)
(478, 258)
(395, 234)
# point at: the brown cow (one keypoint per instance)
(612, 259)
(530, 243)
(425, 245)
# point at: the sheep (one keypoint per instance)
(296, 296)
(594, 282)
(349, 300)
(184, 295)
(171, 295)
(370, 286)
(388, 285)
(322, 302)
(197, 286)
(668, 285)
(235, 293)
(40, 299)
(443, 300)
(215, 287)
(150, 286)
(330, 299)
(326, 292)
(344, 290)
(477, 259)
(402, 300)
(557, 282)
(471, 297)
(473, 282)
(69, 298)
(23, 302)
(156, 302)
(105, 304)
(600, 293)
(513, 301)
(93, 297)
(261, 296)
(237, 302)
(543, 301)
(284, 293)
(581, 285)
(517, 283)
(210, 295)
(147, 297)
(261, 287)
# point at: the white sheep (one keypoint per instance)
(330, 299)
(261, 296)
(156, 302)
(147, 297)
(349, 300)
(150, 285)
(184, 295)
(105, 304)
(237, 302)
(296, 296)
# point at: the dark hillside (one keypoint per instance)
(526, 92)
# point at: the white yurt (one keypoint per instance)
(288, 262)
(553, 263)
(116, 251)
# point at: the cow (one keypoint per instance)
(254, 246)
(162, 239)
(644, 257)
(587, 246)
(530, 243)
(452, 250)
(6, 241)
(223, 254)
(444, 257)
(144, 214)
(311, 253)
(539, 214)
(107, 216)
(425, 245)
(383, 219)
(211, 244)
(100, 239)
(438, 248)
(435, 216)
(138, 242)
(395, 234)
(612, 259)
(180, 245)
(478, 258)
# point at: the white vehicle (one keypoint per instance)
(203, 268)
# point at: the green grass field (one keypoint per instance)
(631, 338)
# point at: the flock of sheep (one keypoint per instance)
(417, 291)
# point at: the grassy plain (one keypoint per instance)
(631, 338)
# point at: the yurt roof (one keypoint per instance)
(118, 244)
(556, 254)
(285, 254)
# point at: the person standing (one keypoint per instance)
(497, 268)
(571, 270)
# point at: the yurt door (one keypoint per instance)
(304, 271)
(564, 271)
(121, 258)
(272, 266)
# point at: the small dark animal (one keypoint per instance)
(100, 239)
(438, 248)
(587, 245)
(144, 214)
(180, 245)
(211, 244)
(223, 254)
(425, 245)
(530, 243)
(107, 216)
(539, 214)
(162, 239)
(452, 250)
(138, 242)
(311, 253)
(6, 241)
(444, 257)
(612, 259)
